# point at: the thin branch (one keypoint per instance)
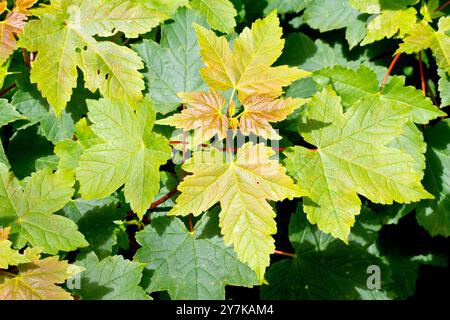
(391, 66)
(433, 97)
(7, 90)
(442, 7)
(422, 75)
(163, 198)
(282, 253)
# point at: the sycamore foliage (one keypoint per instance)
(352, 157)
(64, 39)
(90, 93)
(37, 278)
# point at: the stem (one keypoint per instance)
(391, 66)
(433, 97)
(191, 224)
(8, 274)
(282, 253)
(442, 7)
(26, 57)
(7, 90)
(422, 75)
(163, 198)
(231, 99)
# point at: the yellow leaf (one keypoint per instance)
(9, 29)
(248, 69)
(4, 233)
(241, 186)
(260, 110)
(22, 6)
(204, 113)
(37, 281)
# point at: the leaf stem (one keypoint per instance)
(422, 75)
(282, 253)
(7, 90)
(442, 7)
(8, 274)
(163, 198)
(391, 66)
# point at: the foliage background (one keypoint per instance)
(417, 259)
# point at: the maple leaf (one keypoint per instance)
(352, 85)
(260, 110)
(423, 36)
(64, 40)
(173, 64)
(220, 14)
(131, 153)
(324, 267)
(204, 113)
(248, 69)
(8, 113)
(167, 7)
(204, 273)
(22, 6)
(246, 219)
(113, 278)
(11, 27)
(434, 215)
(37, 280)
(394, 18)
(29, 210)
(9, 256)
(351, 158)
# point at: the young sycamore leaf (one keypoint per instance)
(8, 113)
(351, 158)
(38, 279)
(423, 36)
(113, 278)
(190, 265)
(248, 68)
(352, 85)
(164, 6)
(434, 215)
(242, 187)
(9, 29)
(393, 18)
(173, 65)
(29, 210)
(220, 14)
(204, 115)
(64, 39)
(9, 256)
(130, 155)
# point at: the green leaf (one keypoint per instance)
(64, 39)
(30, 211)
(319, 16)
(9, 256)
(353, 85)
(434, 215)
(392, 20)
(131, 154)
(325, 268)
(36, 110)
(444, 88)
(8, 113)
(246, 219)
(220, 14)
(423, 36)
(113, 278)
(283, 6)
(173, 66)
(190, 265)
(95, 219)
(168, 7)
(352, 157)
